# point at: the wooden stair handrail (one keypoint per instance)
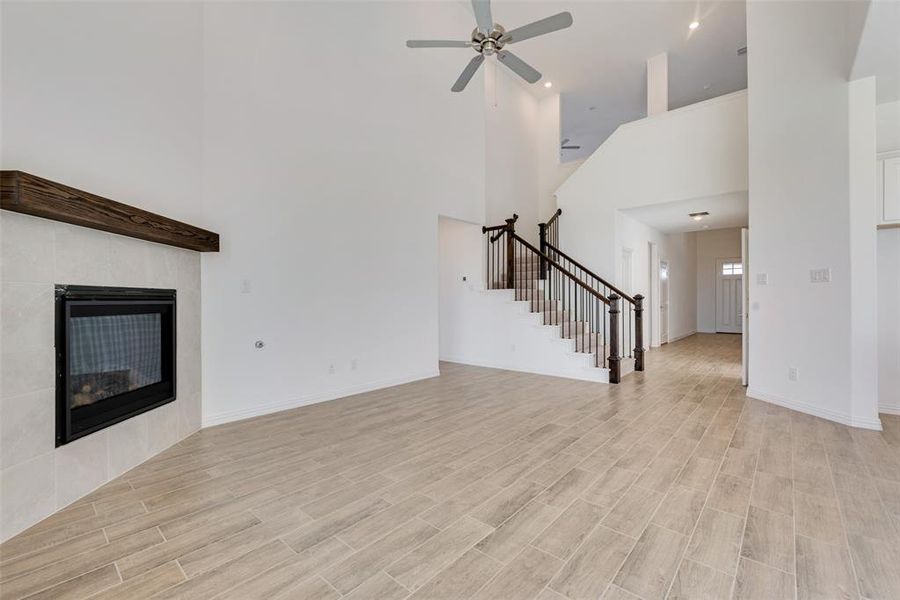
(553, 218)
(562, 270)
(618, 292)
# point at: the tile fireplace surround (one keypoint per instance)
(37, 479)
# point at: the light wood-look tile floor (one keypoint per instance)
(496, 485)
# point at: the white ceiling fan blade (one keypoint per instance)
(437, 44)
(483, 16)
(467, 73)
(519, 66)
(554, 23)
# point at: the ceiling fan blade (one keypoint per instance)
(550, 24)
(467, 73)
(437, 44)
(519, 66)
(483, 16)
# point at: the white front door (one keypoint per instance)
(663, 302)
(729, 295)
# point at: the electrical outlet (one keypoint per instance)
(353, 365)
(331, 369)
(245, 286)
(820, 276)
(512, 347)
(762, 279)
(793, 374)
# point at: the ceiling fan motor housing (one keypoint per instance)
(488, 44)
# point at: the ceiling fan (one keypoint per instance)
(490, 38)
(563, 146)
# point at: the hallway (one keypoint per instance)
(496, 485)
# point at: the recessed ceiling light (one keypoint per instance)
(694, 25)
(548, 84)
(698, 216)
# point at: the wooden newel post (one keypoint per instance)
(510, 254)
(638, 333)
(613, 361)
(542, 233)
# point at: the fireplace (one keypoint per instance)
(115, 356)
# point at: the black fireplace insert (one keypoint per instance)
(115, 356)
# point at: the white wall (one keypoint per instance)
(887, 117)
(511, 152)
(863, 246)
(326, 182)
(888, 139)
(552, 173)
(711, 246)
(680, 250)
(696, 151)
(319, 171)
(107, 98)
(889, 320)
(800, 204)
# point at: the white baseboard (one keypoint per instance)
(889, 409)
(597, 377)
(816, 411)
(266, 409)
(682, 336)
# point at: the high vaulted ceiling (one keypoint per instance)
(599, 64)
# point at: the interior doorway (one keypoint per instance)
(663, 302)
(729, 295)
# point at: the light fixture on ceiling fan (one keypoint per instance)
(563, 146)
(490, 38)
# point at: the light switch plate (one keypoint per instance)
(762, 279)
(820, 276)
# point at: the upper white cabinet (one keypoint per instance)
(888, 197)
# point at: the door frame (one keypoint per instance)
(664, 308)
(745, 328)
(740, 315)
(653, 301)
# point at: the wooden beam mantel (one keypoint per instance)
(31, 195)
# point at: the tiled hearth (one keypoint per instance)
(35, 477)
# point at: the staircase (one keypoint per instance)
(601, 322)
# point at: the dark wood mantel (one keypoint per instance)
(31, 195)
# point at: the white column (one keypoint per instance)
(863, 252)
(657, 84)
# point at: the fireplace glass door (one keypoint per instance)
(115, 356)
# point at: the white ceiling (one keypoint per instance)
(878, 52)
(725, 211)
(601, 60)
